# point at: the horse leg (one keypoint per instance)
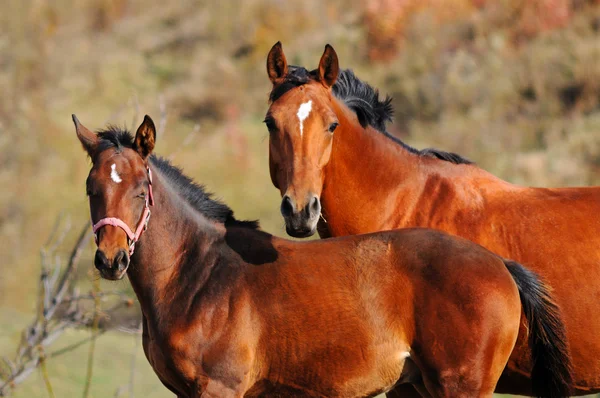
(446, 377)
(405, 390)
(422, 390)
(438, 388)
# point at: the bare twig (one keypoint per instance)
(60, 307)
(136, 344)
(186, 141)
(130, 386)
(44, 371)
(102, 296)
(119, 391)
(74, 346)
(90, 363)
(54, 228)
(69, 272)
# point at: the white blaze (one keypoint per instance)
(303, 113)
(114, 175)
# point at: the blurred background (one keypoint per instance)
(513, 85)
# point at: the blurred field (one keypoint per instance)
(512, 85)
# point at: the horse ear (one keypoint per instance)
(145, 137)
(328, 67)
(277, 66)
(88, 139)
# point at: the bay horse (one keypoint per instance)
(232, 311)
(341, 173)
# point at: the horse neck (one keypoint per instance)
(177, 237)
(367, 170)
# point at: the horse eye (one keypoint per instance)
(141, 195)
(332, 127)
(270, 124)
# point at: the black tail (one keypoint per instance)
(551, 372)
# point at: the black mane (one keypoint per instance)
(193, 193)
(364, 100)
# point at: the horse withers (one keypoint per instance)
(341, 173)
(231, 311)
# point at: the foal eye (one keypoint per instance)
(332, 127)
(141, 195)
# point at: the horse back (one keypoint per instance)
(534, 225)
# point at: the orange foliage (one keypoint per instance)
(542, 15)
(387, 20)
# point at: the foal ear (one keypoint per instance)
(328, 67)
(88, 139)
(145, 137)
(277, 66)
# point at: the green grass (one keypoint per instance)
(112, 369)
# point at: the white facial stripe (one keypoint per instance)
(303, 113)
(114, 175)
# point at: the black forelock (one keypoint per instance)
(114, 137)
(296, 76)
(195, 194)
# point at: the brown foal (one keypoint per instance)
(231, 311)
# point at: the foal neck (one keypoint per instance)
(174, 257)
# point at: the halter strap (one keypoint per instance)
(132, 237)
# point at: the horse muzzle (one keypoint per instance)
(302, 223)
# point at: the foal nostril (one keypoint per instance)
(100, 260)
(314, 206)
(287, 206)
(121, 260)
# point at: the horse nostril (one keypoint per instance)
(287, 206)
(314, 206)
(121, 260)
(100, 260)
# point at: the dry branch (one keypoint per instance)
(60, 307)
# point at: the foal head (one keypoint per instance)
(120, 192)
(301, 123)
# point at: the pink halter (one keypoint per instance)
(132, 237)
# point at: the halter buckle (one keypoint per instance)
(147, 220)
(131, 247)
